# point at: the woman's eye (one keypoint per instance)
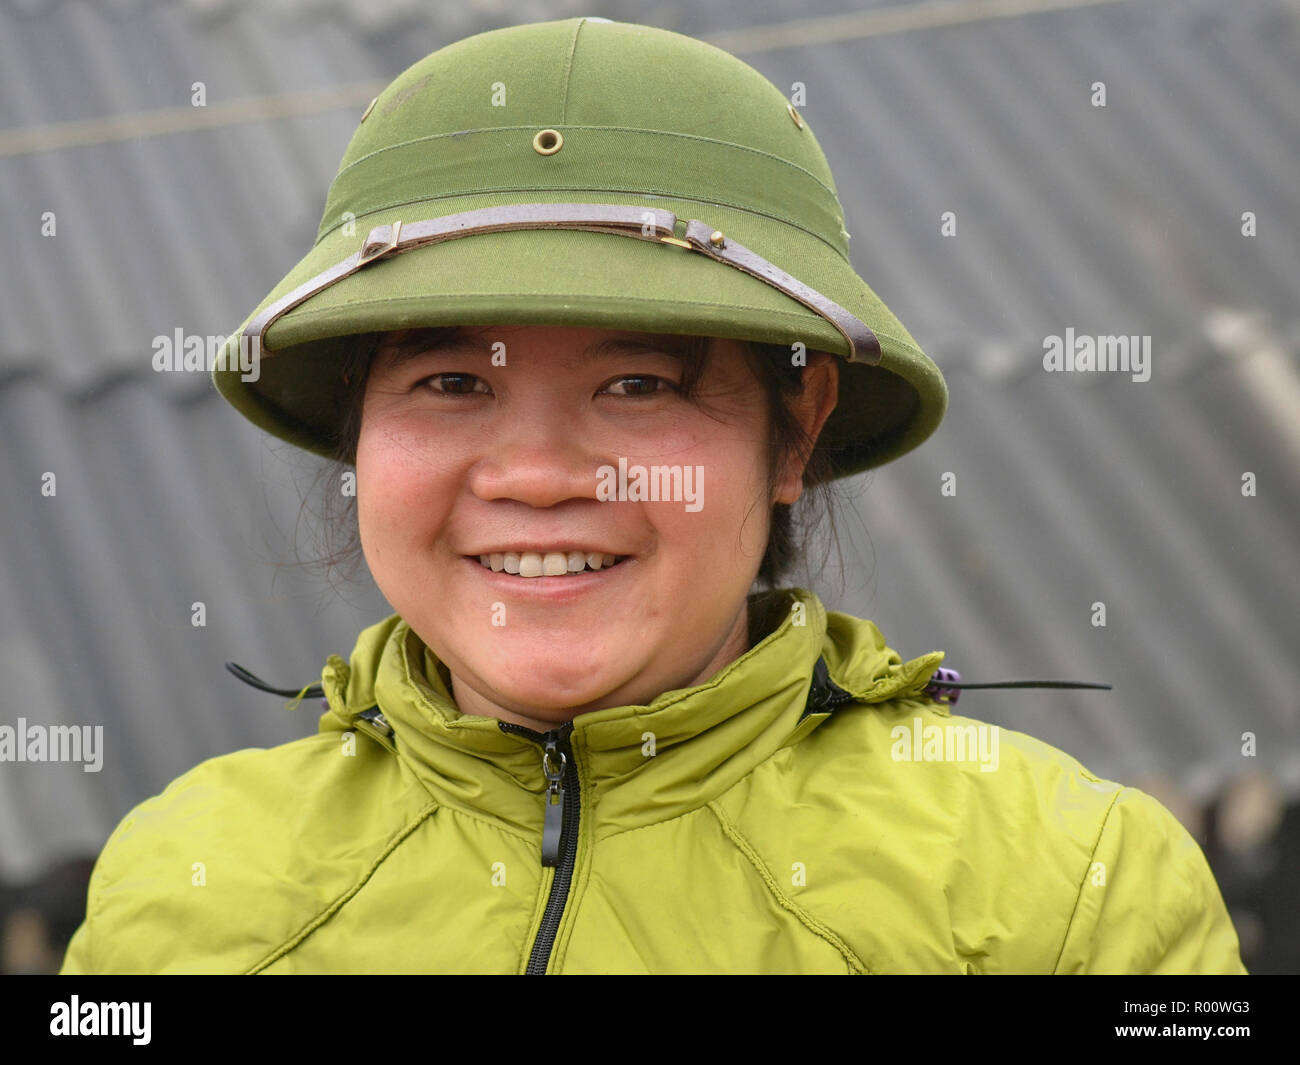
(456, 384)
(638, 385)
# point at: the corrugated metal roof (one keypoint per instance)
(1070, 490)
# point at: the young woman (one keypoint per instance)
(582, 321)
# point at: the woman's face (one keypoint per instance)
(550, 443)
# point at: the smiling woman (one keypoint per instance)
(595, 336)
(493, 445)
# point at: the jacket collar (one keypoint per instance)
(637, 764)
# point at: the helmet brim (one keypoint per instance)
(572, 277)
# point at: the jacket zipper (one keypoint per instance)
(559, 831)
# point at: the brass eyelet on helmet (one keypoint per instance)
(795, 115)
(548, 141)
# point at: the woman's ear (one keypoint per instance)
(821, 382)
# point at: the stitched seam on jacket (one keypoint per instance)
(329, 911)
(99, 883)
(725, 791)
(1084, 882)
(810, 922)
(411, 766)
(496, 825)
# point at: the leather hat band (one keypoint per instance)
(623, 220)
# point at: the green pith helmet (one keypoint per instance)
(588, 173)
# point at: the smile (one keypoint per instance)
(548, 563)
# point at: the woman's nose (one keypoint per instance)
(541, 461)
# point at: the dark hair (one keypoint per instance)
(771, 365)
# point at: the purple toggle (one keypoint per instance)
(937, 689)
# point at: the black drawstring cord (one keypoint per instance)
(946, 684)
(312, 691)
(1034, 684)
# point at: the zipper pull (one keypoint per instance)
(553, 826)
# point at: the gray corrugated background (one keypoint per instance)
(1071, 489)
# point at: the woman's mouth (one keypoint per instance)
(548, 563)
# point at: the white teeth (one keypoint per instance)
(546, 564)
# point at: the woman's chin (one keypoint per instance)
(542, 684)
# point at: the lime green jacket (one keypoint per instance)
(806, 810)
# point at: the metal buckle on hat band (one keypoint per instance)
(626, 220)
(381, 241)
(863, 344)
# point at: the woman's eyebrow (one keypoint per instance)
(414, 346)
